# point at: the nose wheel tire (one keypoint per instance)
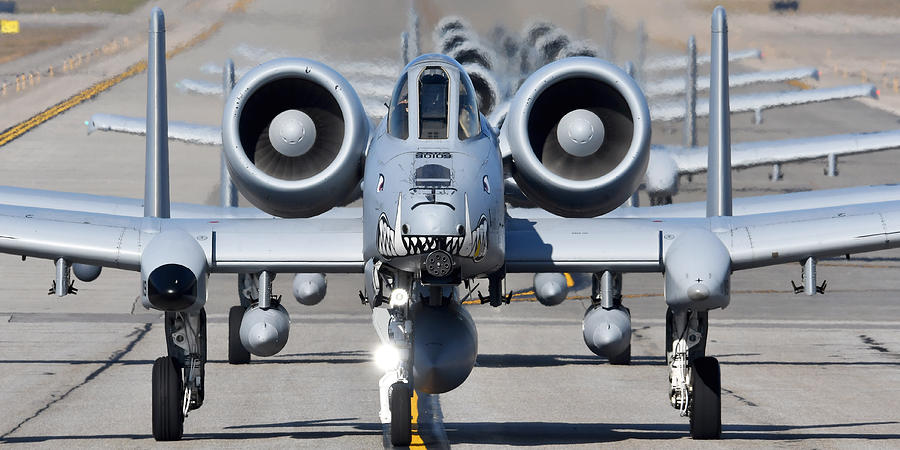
(168, 395)
(706, 410)
(401, 417)
(237, 354)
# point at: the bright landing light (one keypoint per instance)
(399, 297)
(387, 357)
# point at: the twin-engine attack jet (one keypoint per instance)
(297, 142)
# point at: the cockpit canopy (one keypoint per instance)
(442, 99)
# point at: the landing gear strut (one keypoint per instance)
(694, 378)
(178, 379)
(396, 385)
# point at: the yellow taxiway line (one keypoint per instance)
(416, 440)
(27, 125)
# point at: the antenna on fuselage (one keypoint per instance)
(718, 183)
(156, 177)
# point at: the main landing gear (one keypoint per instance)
(178, 379)
(694, 378)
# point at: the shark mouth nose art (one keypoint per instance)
(393, 243)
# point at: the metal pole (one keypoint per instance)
(718, 190)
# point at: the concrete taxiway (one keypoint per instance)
(797, 371)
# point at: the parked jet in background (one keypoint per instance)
(297, 142)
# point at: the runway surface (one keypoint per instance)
(807, 372)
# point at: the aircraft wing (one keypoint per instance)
(742, 206)
(756, 240)
(677, 85)
(674, 110)
(179, 131)
(749, 154)
(230, 245)
(133, 207)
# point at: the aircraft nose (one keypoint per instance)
(698, 292)
(433, 219)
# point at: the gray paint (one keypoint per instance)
(561, 195)
(264, 332)
(320, 192)
(309, 288)
(718, 187)
(606, 332)
(86, 272)
(156, 183)
(550, 289)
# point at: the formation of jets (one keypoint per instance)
(433, 175)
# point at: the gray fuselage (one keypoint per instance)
(433, 177)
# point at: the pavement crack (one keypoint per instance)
(873, 344)
(134, 304)
(136, 335)
(738, 397)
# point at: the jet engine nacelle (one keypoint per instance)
(294, 134)
(579, 133)
(264, 332)
(174, 272)
(309, 288)
(607, 332)
(446, 346)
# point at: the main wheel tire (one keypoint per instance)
(237, 354)
(706, 412)
(401, 417)
(168, 395)
(622, 359)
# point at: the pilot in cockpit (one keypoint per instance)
(434, 90)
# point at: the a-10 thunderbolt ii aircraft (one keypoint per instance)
(297, 142)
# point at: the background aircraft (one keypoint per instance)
(497, 66)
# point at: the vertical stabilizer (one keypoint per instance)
(156, 181)
(227, 193)
(718, 184)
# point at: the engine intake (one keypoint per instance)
(294, 134)
(579, 132)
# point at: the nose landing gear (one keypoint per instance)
(694, 378)
(178, 379)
